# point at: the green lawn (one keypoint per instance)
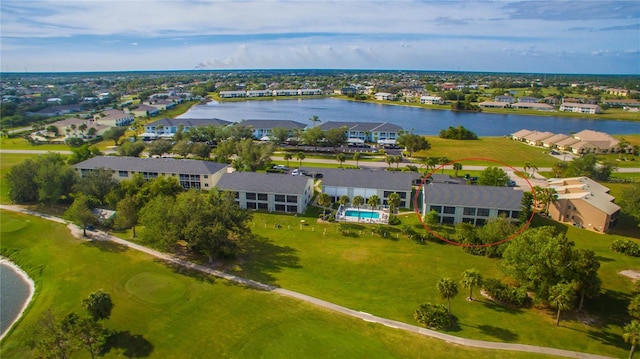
(165, 312)
(390, 276)
(500, 149)
(22, 144)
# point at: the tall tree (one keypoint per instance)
(373, 201)
(526, 207)
(300, 156)
(546, 196)
(313, 136)
(21, 181)
(91, 335)
(159, 222)
(80, 212)
(159, 147)
(96, 184)
(98, 304)
(393, 200)
(412, 142)
(356, 157)
(632, 336)
(324, 200)
(442, 161)
(493, 176)
(336, 137)
(287, 156)
(448, 290)
(562, 296)
(131, 149)
(54, 178)
(51, 338)
(341, 157)
(314, 119)
(584, 267)
(127, 214)
(344, 200)
(471, 278)
(358, 201)
(630, 201)
(114, 134)
(457, 167)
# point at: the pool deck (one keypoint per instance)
(383, 217)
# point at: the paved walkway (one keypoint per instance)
(99, 235)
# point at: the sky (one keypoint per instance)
(586, 37)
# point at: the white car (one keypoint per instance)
(295, 172)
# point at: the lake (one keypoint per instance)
(422, 121)
(14, 294)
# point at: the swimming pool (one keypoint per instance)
(363, 214)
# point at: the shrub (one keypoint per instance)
(432, 315)
(626, 247)
(394, 220)
(506, 294)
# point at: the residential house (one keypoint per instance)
(528, 99)
(113, 118)
(309, 92)
(476, 205)
(581, 108)
(259, 93)
(361, 132)
(285, 92)
(618, 92)
(190, 173)
(161, 104)
(269, 191)
(601, 142)
(142, 110)
(58, 110)
(384, 96)
(552, 141)
(262, 128)
(431, 100)
(584, 203)
(366, 183)
(346, 91)
(519, 135)
(169, 126)
(533, 106)
(535, 138)
(493, 104)
(504, 98)
(621, 103)
(70, 127)
(232, 94)
(566, 144)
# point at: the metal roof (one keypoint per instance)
(159, 165)
(191, 122)
(268, 124)
(458, 195)
(384, 180)
(264, 183)
(362, 126)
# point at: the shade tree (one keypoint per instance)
(562, 296)
(448, 290)
(471, 278)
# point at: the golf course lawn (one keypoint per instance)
(164, 312)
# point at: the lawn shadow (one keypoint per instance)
(503, 334)
(498, 307)
(263, 258)
(132, 345)
(107, 246)
(608, 338)
(189, 272)
(605, 259)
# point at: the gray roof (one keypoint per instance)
(191, 122)
(442, 178)
(362, 126)
(473, 196)
(268, 124)
(263, 183)
(377, 179)
(159, 165)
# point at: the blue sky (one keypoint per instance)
(600, 37)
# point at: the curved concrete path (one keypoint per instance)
(99, 235)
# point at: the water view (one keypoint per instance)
(422, 121)
(14, 293)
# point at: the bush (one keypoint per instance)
(506, 294)
(432, 315)
(626, 247)
(394, 220)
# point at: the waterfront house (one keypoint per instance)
(262, 128)
(142, 110)
(580, 107)
(431, 100)
(360, 132)
(493, 104)
(269, 191)
(584, 203)
(167, 127)
(535, 138)
(384, 96)
(551, 142)
(232, 94)
(476, 205)
(504, 98)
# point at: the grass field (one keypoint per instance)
(164, 312)
(497, 148)
(22, 144)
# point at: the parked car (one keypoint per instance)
(511, 183)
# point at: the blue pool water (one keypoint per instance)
(363, 214)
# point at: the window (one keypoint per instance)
(251, 205)
(279, 198)
(467, 220)
(206, 176)
(292, 199)
(280, 207)
(469, 211)
(123, 173)
(436, 208)
(250, 195)
(292, 208)
(515, 214)
(262, 206)
(262, 196)
(480, 222)
(483, 212)
(447, 220)
(449, 210)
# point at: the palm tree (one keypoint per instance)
(325, 201)
(526, 167)
(546, 196)
(373, 201)
(341, 157)
(563, 297)
(358, 201)
(394, 201)
(287, 156)
(448, 289)
(314, 119)
(457, 167)
(389, 160)
(356, 157)
(397, 159)
(430, 162)
(471, 278)
(632, 335)
(559, 168)
(442, 161)
(533, 168)
(300, 156)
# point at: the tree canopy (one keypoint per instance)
(457, 133)
(412, 142)
(493, 176)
